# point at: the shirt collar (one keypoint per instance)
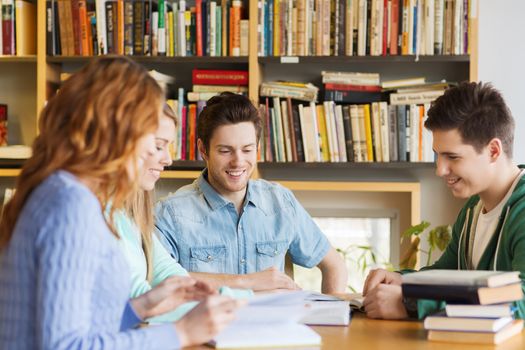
(216, 201)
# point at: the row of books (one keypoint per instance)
(17, 28)
(329, 132)
(363, 27)
(479, 304)
(146, 27)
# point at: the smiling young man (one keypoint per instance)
(473, 135)
(230, 230)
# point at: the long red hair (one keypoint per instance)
(91, 129)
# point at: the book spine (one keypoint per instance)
(161, 31)
(75, 19)
(50, 27)
(349, 87)
(347, 128)
(214, 77)
(109, 27)
(392, 133)
(83, 25)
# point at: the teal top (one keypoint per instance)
(164, 266)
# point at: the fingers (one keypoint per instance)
(374, 278)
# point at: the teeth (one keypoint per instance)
(235, 173)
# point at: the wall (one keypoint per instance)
(502, 58)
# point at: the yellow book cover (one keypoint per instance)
(323, 135)
(277, 28)
(25, 23)
(171, 35)
(368, 134)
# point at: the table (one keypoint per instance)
(364, 333)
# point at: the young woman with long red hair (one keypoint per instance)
(64, 282)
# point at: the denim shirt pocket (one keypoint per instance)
(210, 259)
(270, 254)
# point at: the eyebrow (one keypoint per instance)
(446, 153)
(231, 147)
(161, 139)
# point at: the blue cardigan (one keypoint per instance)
(64, 282)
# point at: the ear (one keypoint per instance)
(495, 148)
(202, 149)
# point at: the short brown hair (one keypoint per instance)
(225, 109)
(478, 111)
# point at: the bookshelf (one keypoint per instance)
(29, 76)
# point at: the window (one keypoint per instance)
(357, 234)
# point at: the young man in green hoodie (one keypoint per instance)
(473, 134)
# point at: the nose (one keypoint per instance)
(442, 168)
(236, 157)
(166, 159)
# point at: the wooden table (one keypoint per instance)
(370, 334)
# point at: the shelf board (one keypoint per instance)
(9, 172)
(187, 165)
(343, 165)
(15, 59)
(156, 59)
(366, 59)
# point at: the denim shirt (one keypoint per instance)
(204, 232)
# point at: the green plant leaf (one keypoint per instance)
(415, 230)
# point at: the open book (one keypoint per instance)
(269, 320)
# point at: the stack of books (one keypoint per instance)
(479, 306)
(208, 83)
(351, 87)
(290, 89)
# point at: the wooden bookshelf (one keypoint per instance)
(305, 68)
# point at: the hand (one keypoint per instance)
(207, 319)
(377, 276)
(385, 301)
(169, 294)
(270, 279)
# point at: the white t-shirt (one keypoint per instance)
(487, 223)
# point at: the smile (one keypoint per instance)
(235, 173)
(452, 181)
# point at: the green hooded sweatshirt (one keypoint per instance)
(505, 251)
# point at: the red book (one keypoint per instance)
(77, 40)
(219, 77)
(347, 87)
(3, 125)
(198, 24)
(8, 29)
(192, 121)
(184, 133)
(394, 27)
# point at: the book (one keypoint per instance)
(3, 125)
(465, 324)
(269, 320)
(25, 25)
(481, 311)
(15, 152)
(328, 313)
(219, 77)
(505, 333)
(219, 88)
(392, 84)
(420, 97)
(463, 277)
(464, 294)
